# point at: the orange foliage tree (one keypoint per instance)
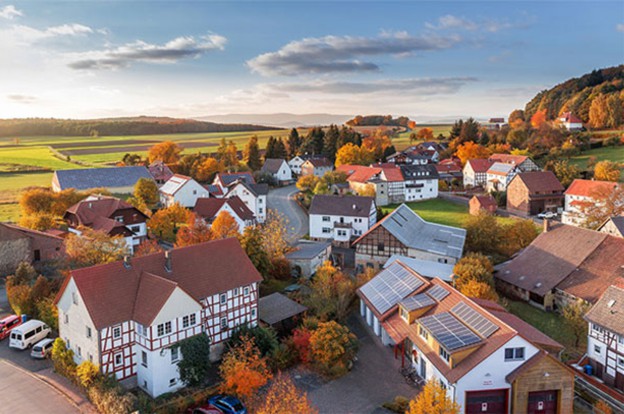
(149, 246)
(352, 154)
(425, 134)
(164, 223)
(224, 226)
(433, 400)
(481, 290)
(166, 151)
(470, 150)
(196, 231)
(538, 118)
(244, 370)
(284, 397)
(607, 171)
(332, 346)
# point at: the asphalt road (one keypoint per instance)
(281, 199)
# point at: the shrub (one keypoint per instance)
(195, 361)
(399, 405)
(86, 373)
(284, 356)
(265, 339)
(280, 269)
(111, 400)
(332, 348)
(63, 359)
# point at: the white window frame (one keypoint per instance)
(115, 330)
(175, 355)
(223, 325)
(223, 298)
(118, 355)
(246, 290)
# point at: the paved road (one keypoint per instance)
(281, 200)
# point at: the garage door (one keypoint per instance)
(486, 402)
(542, 402)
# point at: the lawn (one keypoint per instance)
(604, 153)
(9, 212)
(402, 140)
(12, 184)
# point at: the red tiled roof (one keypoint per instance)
(319, 162)
(358, 173)
(570, 118)
(208, 208)
(110, 291)
(540, 181)
(480, 165)
(448, 168)
(152, 293)
(527, 331)
(508, 158)
(486, 201)
(14, 232)
(590, 188)
(393, 174)
(160, 171)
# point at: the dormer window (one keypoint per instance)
(404, 314)
(119, 219)
(445, 355)
(423, 333)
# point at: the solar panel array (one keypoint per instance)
(474, 320)
(417, 302)
(390, 286)
(438, 293)
(448, 331)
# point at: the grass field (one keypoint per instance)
(402, 140)
(32, 156)
(604, 153)
(11, 184)
(9, 212)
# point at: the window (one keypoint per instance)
(172, 382)
(175, 354)
(185, 321)
(223, 298)
(326, 218)
(90, 357)
(326, 230)
(246, 291)
(88, 332)
(67, 342)
(135, 229)
(514, 354)
(423, 333)
(381, 247)
(445, 355)
(144, 358)
(192, 318)
(440, 260)
(37, 255)
(66, 319)
(119, 219)
(260, 210)
(621, 339)
(224, 323)
(621, 362)
(164, 329)
(194, 192)
(597, 350)
(74, 298)
(253, 313)
(119, 359)
(404, 314)
(79, 351)
(235, 291)
(116, 332)
(167, 327)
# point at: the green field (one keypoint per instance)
(9, 212)
(604, 153)
(402, 140)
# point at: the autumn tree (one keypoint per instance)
(482, 233)
(332, 293)
(146, 190)
(607, 171)
(425, 134)
(354, 154)
(574, 314)
(609, 202)
(564, 171)
(251, 154)
(599, 112)
(473, 267)
(196, 231)
(243, 370)
(307, 183)
(264, 338)
(471, 150)
(224, 226)
(252, 242)
(332, 347)
(166, 151)
(165, 223)
(538, 118)
(375, 145)
(94, 247)
(275, 235)
(516, 235)
(481, 290)
(516, 118)
(433, 400)
(227, 153)
(208, 169)
(283, 397)
(149, 246)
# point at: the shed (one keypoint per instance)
(279, 311)
(482, 202)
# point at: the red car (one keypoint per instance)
(204, 409)
(7, 324)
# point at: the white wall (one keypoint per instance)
(155, 378)
(241, 223)
(187, 195)
(256, 204)
(429, 190)
(359, 225)
(284, 173)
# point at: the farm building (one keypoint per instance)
(119, 180)
(19, 244)
(534, 192)
(307, 256)
(480, 203)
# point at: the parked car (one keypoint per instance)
(7, 324)
(547, 215)
(42, 349)
(227, 404)
(28, 334)
(204, 409)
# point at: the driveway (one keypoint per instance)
(374, 380)
(281, 199)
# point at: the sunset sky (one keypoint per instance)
(85, 59)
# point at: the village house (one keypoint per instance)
(563, 264)
(450, 172)
(495, 124)
(613, 226)
(570, 121)
(582, 194)
(209, 208)
(296, 162)
(110, 215)
(223, 180)
(316, 166)
(253, 195)
(475, 172)
(278, 169)
(19, 244)
(421, 182)
(479, 203)
(307, 256)
(499, 175)
(411, 156)
(160, 172)
(534, 192)
(341, 218)
(127, 317)
(523, 162)
(405, 233)
(487, 360)
(117, 180)
(182, 190)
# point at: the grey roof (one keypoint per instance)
(351, 206)
(419, 172)
(276, 307)
(417, 302)
(272, 165)
(501, 168)
(84, 179)
(255, 189)
(608, 312)
(425, 268)
(416, 233)
(307, 250)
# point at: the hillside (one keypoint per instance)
(115, 126)
(577, 94)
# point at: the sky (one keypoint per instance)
(89, 59)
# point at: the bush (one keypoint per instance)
(195, 361)
(332, 348)
(63, 359)
(86, 373)
(111, 400)
(265, 339)
(280, 269)
(399, 405)
(284, 356)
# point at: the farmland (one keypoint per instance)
(604, 153)
(402, 140)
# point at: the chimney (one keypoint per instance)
(546, 223)
(168, 260)
(126, 262)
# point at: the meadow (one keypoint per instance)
(605, 153)
(402, 140)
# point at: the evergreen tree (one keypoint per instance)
(270, 148)
(313, 142)
(252, 154)
(330, 142)
(279, 149)
(294, 142)
(348, 135)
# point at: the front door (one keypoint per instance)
(542, 402)
(486, 402)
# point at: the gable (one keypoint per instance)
(178, 304)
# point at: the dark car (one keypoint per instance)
(204, 409)
(228, 404)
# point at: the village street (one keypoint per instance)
(281, 199)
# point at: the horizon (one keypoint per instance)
(191, 60)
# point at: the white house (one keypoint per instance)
(182, 190)
(341, 218)
(523, 162)
(581, 194)
(278, 168)
(605, 337)
(128, 316)
(296, 162)
(570, 122)
(316, 166)
(223, 180)
(421, 182)
(478, 352)
(499, 175)
(475, 172)
(209, 208)
(253, 195)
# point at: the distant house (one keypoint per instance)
(307, 256)
(449, 172)
(425, 268)
(160, 172)
(421, 182)
(499, 175)
(317, 167)
(614, 226)
(119, 180)
(534, 192)
(579, 195)
(19, 244)
(110, 215)
(479, 203)
(523, 162)
(278, 169)
(405, 233)
(182, 190)
(495, 123)
(341, 218)
(570, 121)
(253, 195)
(475, 172)
(564, 263)
(296, 162)
(223, 180)
(209, 208)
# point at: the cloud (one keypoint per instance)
(419, 86)
(342, 54)
(10, 12)
(139, 51)
(620, 27)
(73, 29)
(451, 22)
(23, 99)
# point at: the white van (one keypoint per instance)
(28, 334)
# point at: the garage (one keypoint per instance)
(543, 402)
(486, 402)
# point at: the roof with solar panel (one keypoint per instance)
(417, 302)
(449, 331)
